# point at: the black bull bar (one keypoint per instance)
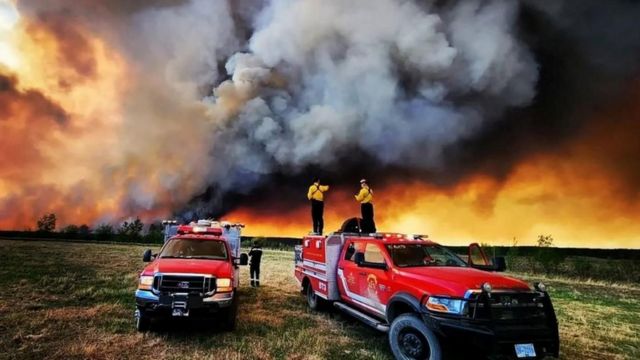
(494, 328)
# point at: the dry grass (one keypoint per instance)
(75, 301)
(597, 320)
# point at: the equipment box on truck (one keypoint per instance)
(195, 274)
(425, 296)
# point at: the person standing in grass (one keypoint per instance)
(365, 198)
(316, 196)
(254, 264)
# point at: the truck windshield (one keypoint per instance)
(411, 255)
(194, 249)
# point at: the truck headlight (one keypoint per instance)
(446, 305)
(223, 285)
(145, 283)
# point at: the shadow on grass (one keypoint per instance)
(281, 324)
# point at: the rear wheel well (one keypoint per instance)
(398, 308)
(305, 284)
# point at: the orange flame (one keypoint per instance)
(584, 194)
(531, 202)
(66, 146)
(61, 122)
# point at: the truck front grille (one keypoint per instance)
(183, 284)
(509, 306)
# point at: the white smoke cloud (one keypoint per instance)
(396, 80)
(224, 94)
(166, 135)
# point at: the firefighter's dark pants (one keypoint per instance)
(254, 272)
(368, 224)
(317, 212)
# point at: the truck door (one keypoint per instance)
(477, 256)
(232, 235)
(348, 271)
(374, 277)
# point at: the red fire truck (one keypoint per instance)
(195, 274)
(425, 296)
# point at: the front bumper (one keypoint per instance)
(495, 337)
(163, 304)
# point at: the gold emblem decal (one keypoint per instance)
(372, 282)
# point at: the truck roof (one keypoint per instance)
(386, 237)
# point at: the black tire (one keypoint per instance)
(315, 302)
(143, 321)
(411, 339)
(230, 314)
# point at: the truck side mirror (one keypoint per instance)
(499, 263)
(146, 257)
(244, 259)
(358, 258)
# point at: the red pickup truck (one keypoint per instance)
(426, 297)
(195, 274)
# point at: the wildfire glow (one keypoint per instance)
(67, 146)
(86, 134)
(531, 202)
(573, 195)
(8, 20)
(8, 15)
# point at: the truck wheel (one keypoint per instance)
(230, 314)
(143, 321)
(315, 302)
(411, 339)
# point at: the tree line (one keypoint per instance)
(127, 231)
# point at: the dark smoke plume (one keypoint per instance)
(267, 94)
(582, 56)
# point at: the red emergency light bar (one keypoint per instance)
(398, 236)
(205, 230)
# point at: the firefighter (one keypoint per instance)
(316, 196)
(365, 197)
(254, 264)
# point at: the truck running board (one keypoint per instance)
(374, 323)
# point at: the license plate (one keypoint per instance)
(179, 307)
(525, 350)
(179, 313)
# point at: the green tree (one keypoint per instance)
(70, 230)
(545, 241)
(104, 232)
(549, 258)
(47, 223)
(155, 234)
(131, 230)
(84, 230)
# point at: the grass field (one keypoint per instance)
(75, 301)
